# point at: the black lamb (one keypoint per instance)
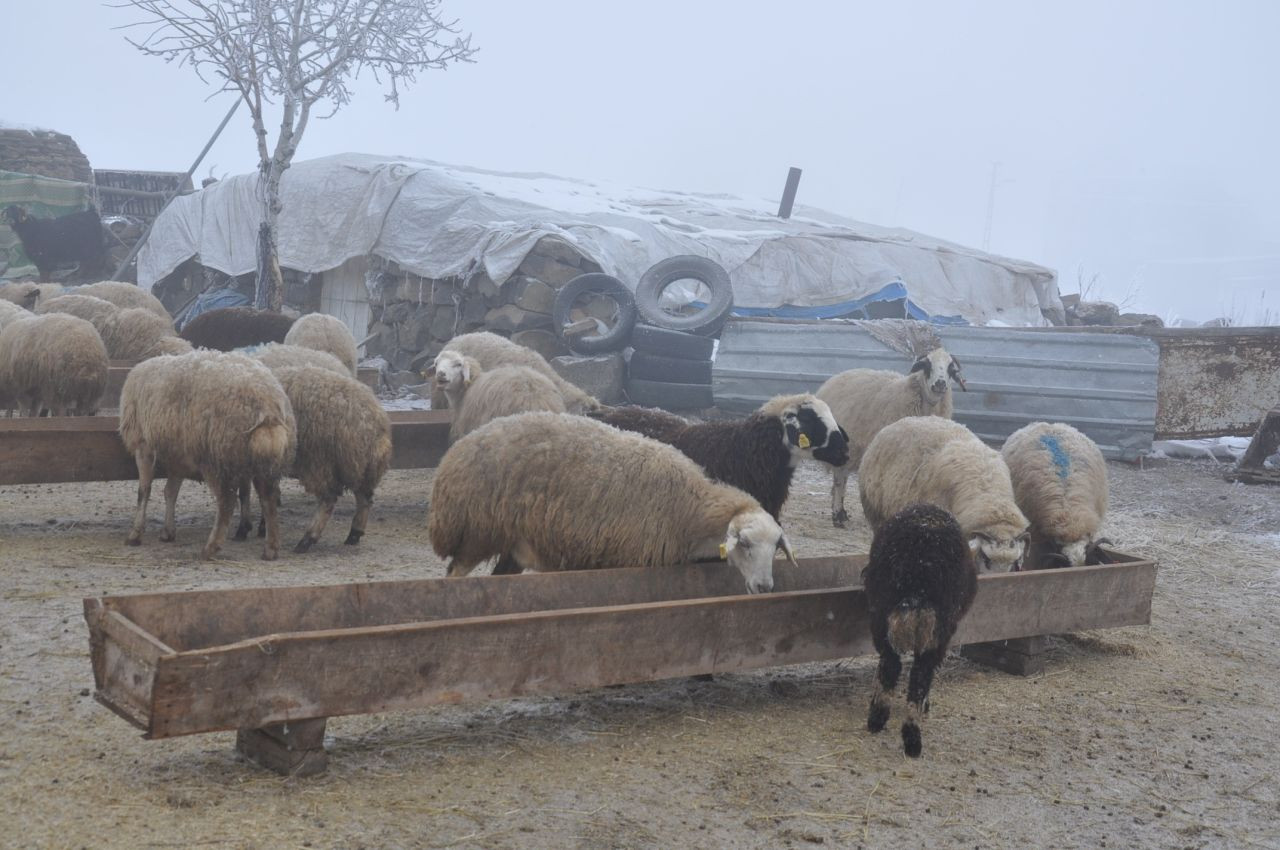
(919, 582)
(230, 328)
(72, 238)
(757, 454)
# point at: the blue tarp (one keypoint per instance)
(855, 309)
(206, 301)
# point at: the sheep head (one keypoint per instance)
(750, 544)
(936, 368)
(809, 430)
(455, 372)
(994, 554)
(1077, 553)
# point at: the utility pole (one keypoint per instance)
(991, 205)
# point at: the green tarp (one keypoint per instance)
(44, 197)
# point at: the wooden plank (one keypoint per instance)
(300, 675)
(124, 662)
(182, 619)
(290, 749)
(118, 370)
(87, 448)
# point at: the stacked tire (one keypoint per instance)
(670, 366)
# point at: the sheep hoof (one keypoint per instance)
(911, 743)
(270, 554)
(167, 536)
(353, 538)
(207, 553)
(877, 717)
(133, 541)
(840, 518)
(303, 545)
(242, 534)
(262, 531)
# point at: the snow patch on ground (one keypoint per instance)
(406, 403)
(1226, 449)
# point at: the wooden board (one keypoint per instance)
(118, 370)
(87, 448)
(373, 663)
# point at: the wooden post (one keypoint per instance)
(290, 749)
(1019, 656)
(789, 193)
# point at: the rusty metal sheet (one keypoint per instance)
(1103, 384)
(1216, 382)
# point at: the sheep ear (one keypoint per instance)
(921, 365)
(785, 546)
(974, 543)
(429, 373)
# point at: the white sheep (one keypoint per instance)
(126, 295)
(129, 333)
(219, 417)
(324, 333)
(865, 400)
(1060, 483)
(9, 312)
(556, 492)
(939, 462)
(491, 351)
(477, 397)
(278, 355)
(55, 363)
(94, 310)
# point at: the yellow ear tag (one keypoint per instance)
(724, 552)
(803, 442)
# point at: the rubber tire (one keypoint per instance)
(675, 370)
(670, 396)
(618, 336)
(668, 343)
(707, 320)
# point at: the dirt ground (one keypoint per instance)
(1160, 736)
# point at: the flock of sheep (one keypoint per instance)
(540, 476)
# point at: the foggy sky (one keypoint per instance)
(1136, 141)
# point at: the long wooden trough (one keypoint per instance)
(87, 448)
(118, 370)
(273, 663)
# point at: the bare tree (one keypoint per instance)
(301, 55)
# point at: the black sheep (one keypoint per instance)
(230, 328)
(75, 237)
(757, 454)
(919, 582)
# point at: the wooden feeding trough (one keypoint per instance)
(118, 370)
(87, 448)
(273, 663)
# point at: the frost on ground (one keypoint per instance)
(1159, 736)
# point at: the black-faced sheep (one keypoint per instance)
(72, 238)
(125, 296)
(1060, 482)
(344, 443)
(492, 351)
(477, 396)
(934, 460)
(236, 327)
(865, 400)
(757, 454)
(223, 418)
(556, 492)
(324, 333)
(55, 363)
(919, 582)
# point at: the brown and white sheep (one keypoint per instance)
(491, 351)
(478, 396)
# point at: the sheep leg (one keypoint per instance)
(839, 482)
(146, 473)
(887, 673)
(172, 485)
(922, 670)
(269, 499)
(246, 508)
(324, 510)
(364, 501)
(507, 566)
(262, 517)
(459, 566)
(224, 492)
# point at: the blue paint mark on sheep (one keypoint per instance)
(1060, 458)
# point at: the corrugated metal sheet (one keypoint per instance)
(1103, 384)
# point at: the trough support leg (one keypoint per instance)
(290, 749)
(1019, 656)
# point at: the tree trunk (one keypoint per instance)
(269, 288)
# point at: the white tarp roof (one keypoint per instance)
(443, 221)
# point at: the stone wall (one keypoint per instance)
(45, 153)
(413, 317)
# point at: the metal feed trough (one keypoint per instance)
(274, 663)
